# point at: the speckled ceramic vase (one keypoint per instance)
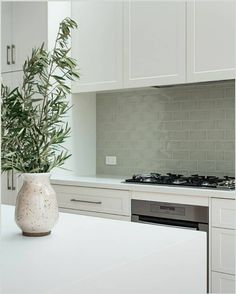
(36, 206)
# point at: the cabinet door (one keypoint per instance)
(12, 79)
(211, 40)
(222, 283)
(29, 30)
(223, 250)
(6, 79)
(9, 188)
(97, 45)
(6, 36)
(223, 213)
(154, 40)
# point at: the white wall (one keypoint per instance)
(57, 11)
(82, 117)
(84, 133)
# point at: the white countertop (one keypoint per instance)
(90, 255)
(118, 183)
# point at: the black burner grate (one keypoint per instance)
(227, 183)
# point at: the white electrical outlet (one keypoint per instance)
(110, 160)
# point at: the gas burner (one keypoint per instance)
(198, 181)
(180, 181)
(228, 183)
(146, 178)
(207, 184)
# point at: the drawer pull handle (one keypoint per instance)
(86, 201)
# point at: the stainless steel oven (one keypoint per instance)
(171, 214)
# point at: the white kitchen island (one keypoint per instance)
(90, 255)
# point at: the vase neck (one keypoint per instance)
(36, 178)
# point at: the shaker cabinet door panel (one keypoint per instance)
(223, 213)
(211, 40)
(97, 45)
(154, 43)
(222, 283)
(223, 250)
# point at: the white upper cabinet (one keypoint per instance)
(97, 45)
(29, 30)
(211, 40)
(6, 36)
(125, 44)
(154, 43)
(24, 26)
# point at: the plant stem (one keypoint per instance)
(45, 97)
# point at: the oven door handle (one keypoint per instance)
(169, 226)
(166, 222)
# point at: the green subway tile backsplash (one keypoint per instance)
(184, 129)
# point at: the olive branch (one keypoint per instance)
(33, 122)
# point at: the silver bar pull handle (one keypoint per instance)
(13, 54)
(12, 181)
(8, 181)
(8, 55)
(86, 201)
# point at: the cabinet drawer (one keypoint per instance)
(223, 250)
(93, 199)
(222, 283)
(223, 213)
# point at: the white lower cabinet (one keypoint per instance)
(94, 201)
(11, 183)
(222, 283)
(12, 79)
(222, 245)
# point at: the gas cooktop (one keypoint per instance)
(212, 182)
